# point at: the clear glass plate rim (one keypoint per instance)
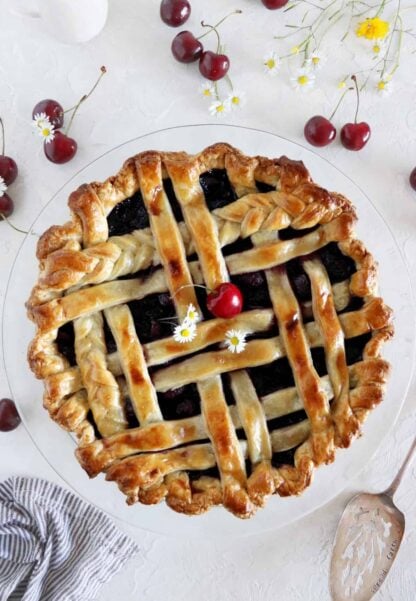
(178, 127)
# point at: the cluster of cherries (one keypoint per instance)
(61, 148)
(186, 48)
(319, 131)
(8, 172)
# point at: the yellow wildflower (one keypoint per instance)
(373, 29)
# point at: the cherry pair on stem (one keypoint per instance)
(62, 148)
(320, 131)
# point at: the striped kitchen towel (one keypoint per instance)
(53, 545)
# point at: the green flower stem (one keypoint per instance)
(386, 56)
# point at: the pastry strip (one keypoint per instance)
(307, 380)
(141, 391)
(102, 389)
(166, 233)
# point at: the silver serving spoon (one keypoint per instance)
(366, 542)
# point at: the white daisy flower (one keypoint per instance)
(303, 80)
(384, 86)
(235, 341)
(39, 119)
(192, 315)
(46, 131)
(316, 61)
(219, 108)
(271, 63)
(184, 332)
(207, 90)
(3, 187)
(236, 99)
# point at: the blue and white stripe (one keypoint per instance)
(53, 545)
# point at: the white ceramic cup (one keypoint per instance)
(69, 21)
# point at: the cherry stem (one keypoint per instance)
(214, 27)
(339, 102)
(2, 136)
(6, 219)
(84, 98)
(189, 286)
(353, 77)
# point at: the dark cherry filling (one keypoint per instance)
(151, 317)
(226, 386)
(289, 233)
(338, 266)
(150, 313)
(284, 458)
(217, 188)
(130, 415)
(128, 216)
(179, 403)
(66, 342)
(286, 420)
(299, 280)
(271, 377)
(263, 187)
(170, 193)
(254, 289)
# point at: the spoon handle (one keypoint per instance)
(397, 480)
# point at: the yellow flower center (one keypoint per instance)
(303, 80)
(373, 29)
(234, 340)
(295, 50)
(315, 60)
(46, 131)
(376, 48)
(220, 108)
(185, 332)
(207, 92)
(342, 84)
(381, 85)
(271, 63)
(192, 315)
(235, 100)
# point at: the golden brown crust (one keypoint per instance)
(80, 267)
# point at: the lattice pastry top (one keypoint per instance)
(194, 423)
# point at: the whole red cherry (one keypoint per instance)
(8, 169)
(354, 136)
(6, 206)
(52, 109)
(412, 179)
(9, 417)
(319, 131)
(273, 4)
(186, 48)
(175, 12)
(225, 301)
(61, 149)
(213, 66)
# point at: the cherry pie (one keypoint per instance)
(192, 422)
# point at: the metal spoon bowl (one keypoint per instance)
(366, 542)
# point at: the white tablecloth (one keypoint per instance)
(143, 91)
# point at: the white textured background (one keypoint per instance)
(145, 90)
